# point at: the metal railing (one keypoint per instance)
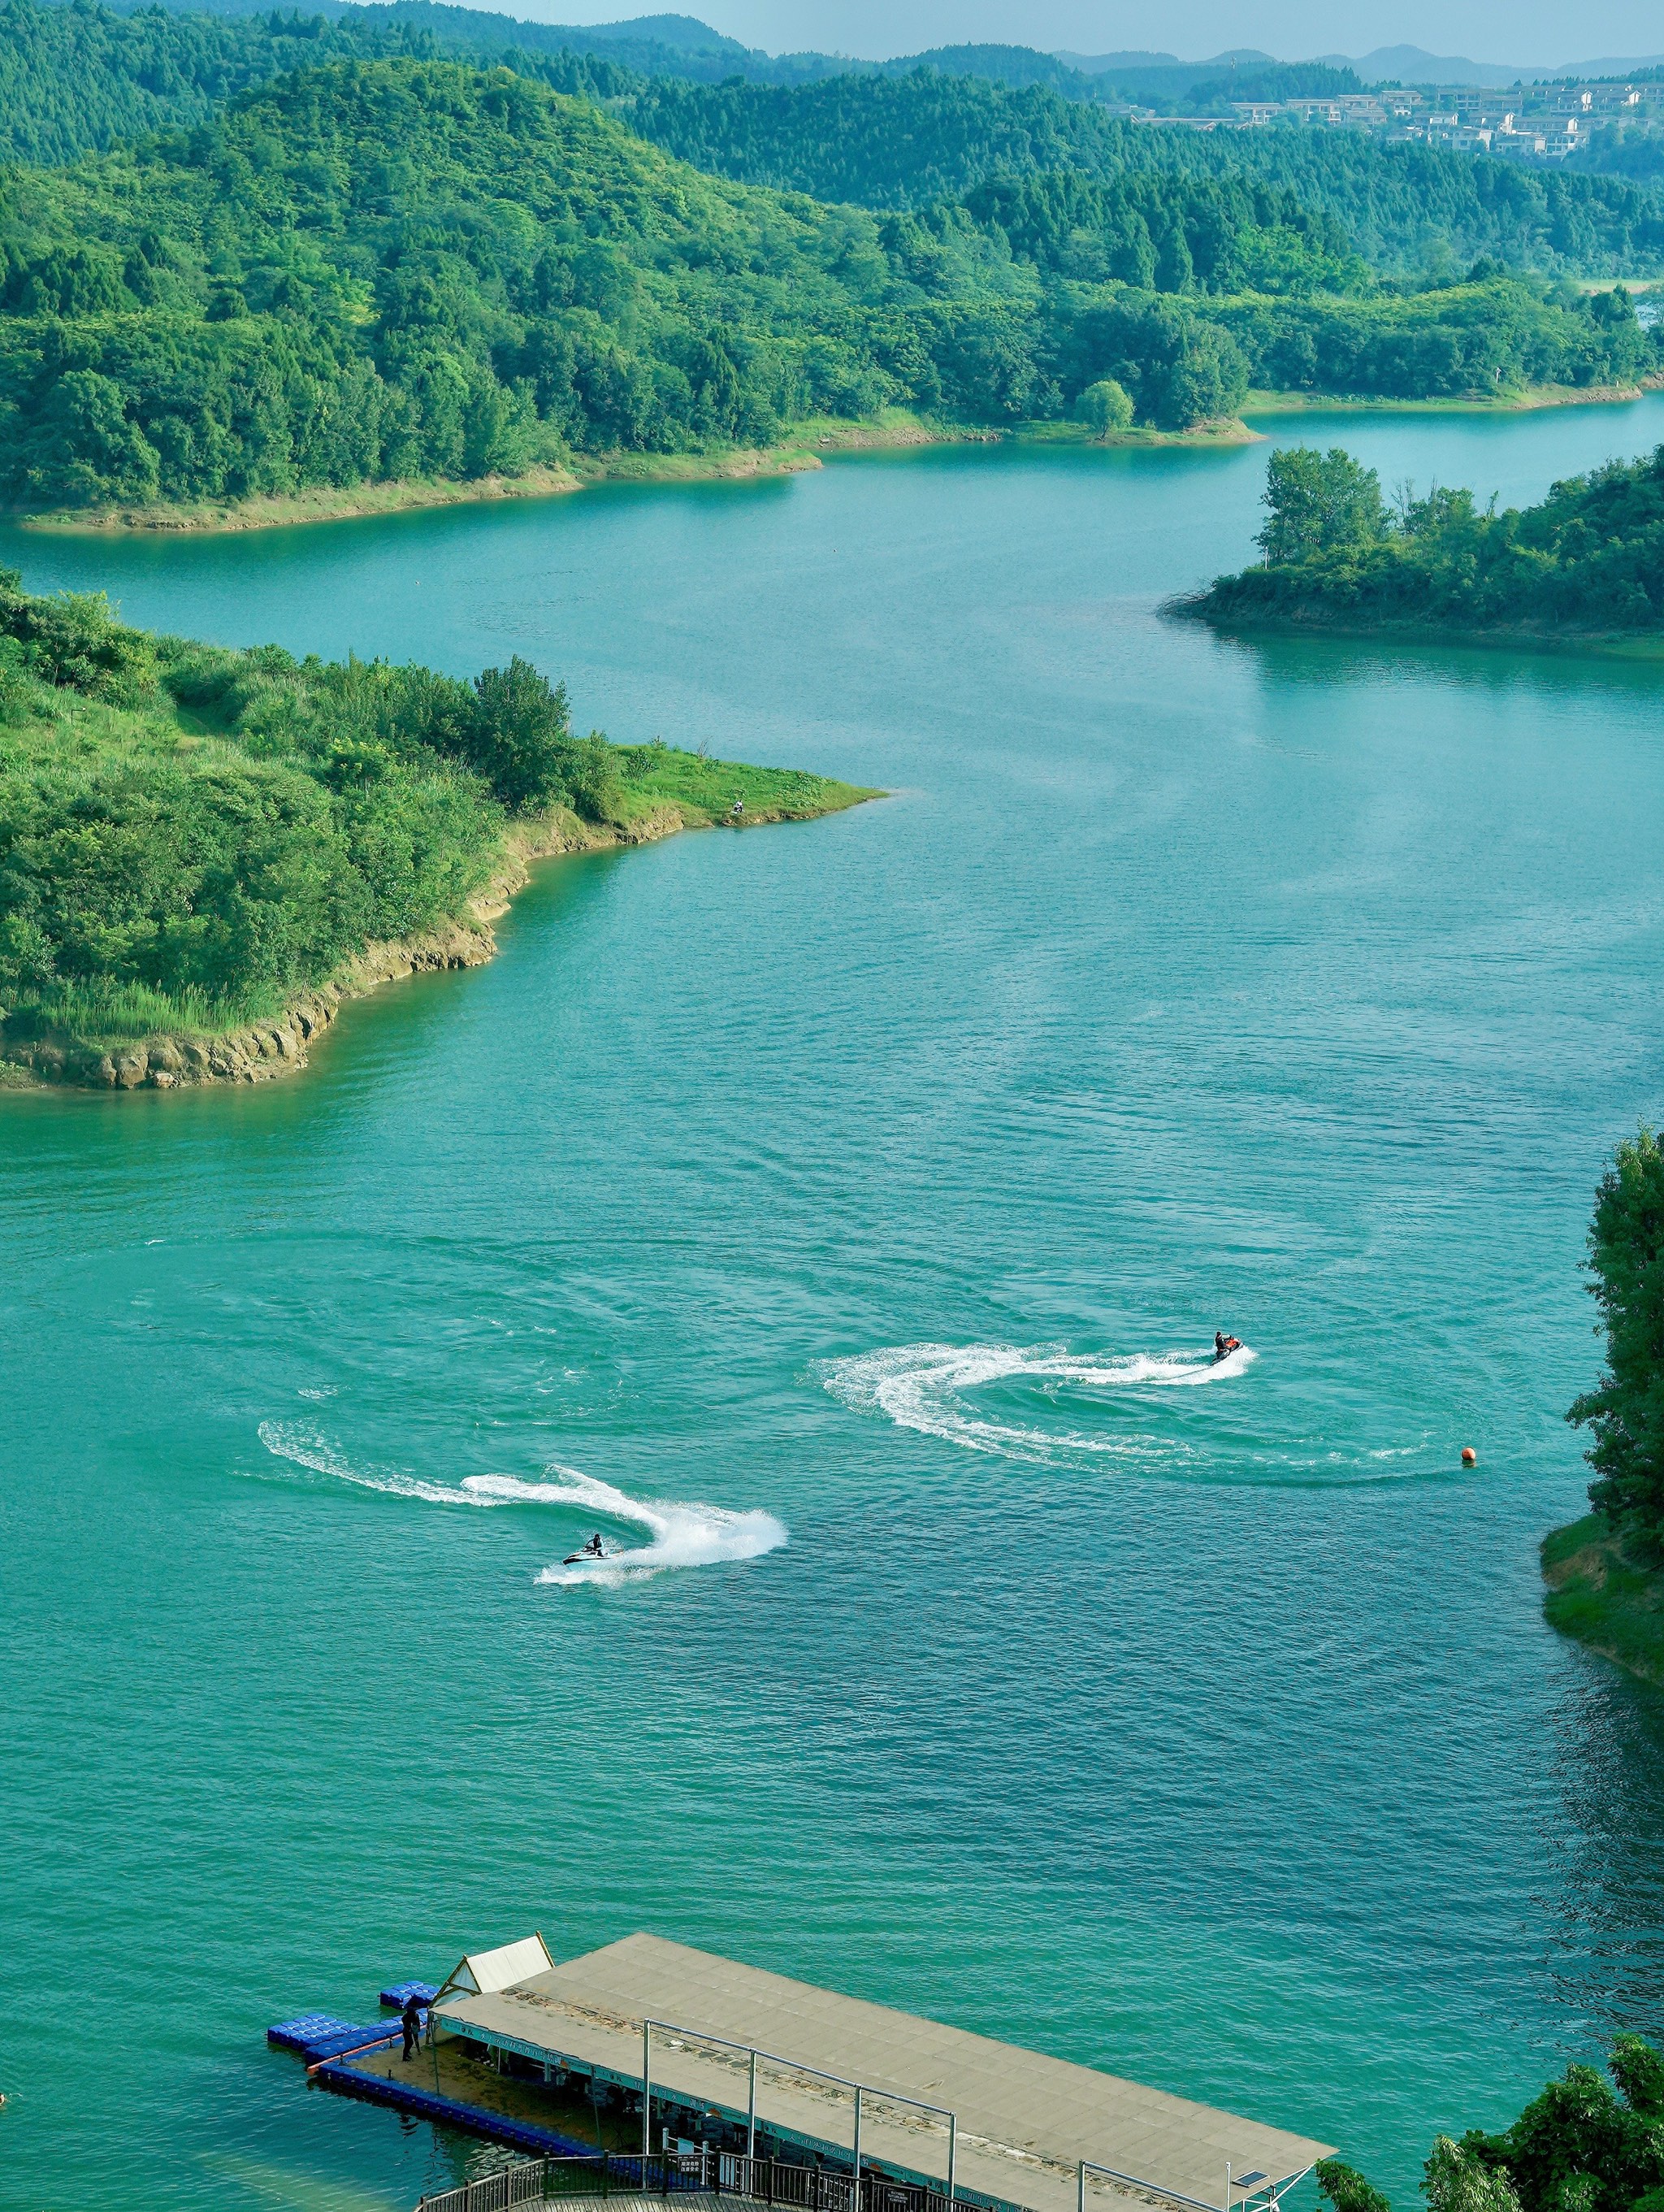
(799, 2188)
(729, 2173)
(792, 2066)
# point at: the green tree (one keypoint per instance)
(74, 640)
(1626, 1409)
(1346, 2188)
(1208, 379)
(1589, 558)
(1318, 504)
(1576, 2147)
(1458, 2180)
(522, 742)
(1638, 2071)
(1105, 406)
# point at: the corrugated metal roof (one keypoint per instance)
(1024, 2120)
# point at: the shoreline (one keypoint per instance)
(359, 502)
(798, 452)
(1644, 645)
(805, 449)
(277, 1045)
(1603, 1597)
(802, 448)
(1528, 401)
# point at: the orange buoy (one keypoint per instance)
(1469, 1456)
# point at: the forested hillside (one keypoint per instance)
(81, 77)
(401, 268)
(80, 74)
(904, 142)
(78, 79)
(397, 269)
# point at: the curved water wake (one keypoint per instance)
(304, 1447)
(678, 1534)
(923, 1387)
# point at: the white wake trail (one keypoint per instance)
(677, 1533)
(304, 1447)
(923, 1387)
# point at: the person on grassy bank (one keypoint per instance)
(1587, 559)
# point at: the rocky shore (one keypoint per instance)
(263, 1050)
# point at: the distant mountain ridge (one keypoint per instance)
(1415, 65)
(684, 46)
(1404, 64)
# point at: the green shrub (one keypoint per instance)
(1105, 406)
(74, 640)
(594, 782)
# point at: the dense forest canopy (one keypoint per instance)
(1588, 558)
(408, 269)
(683, 46)
(80, 78)
(405, 268)
(910, 141)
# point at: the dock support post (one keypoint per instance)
(1227, 2185)
(647, 2099)
(751, 2114)
(1080, 2187)
(953, 2150)
(857, 2201)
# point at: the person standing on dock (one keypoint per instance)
(410, 2020)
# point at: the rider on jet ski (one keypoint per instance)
(594, 1549)
(1224, 1346)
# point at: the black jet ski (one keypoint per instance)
(592, 1552)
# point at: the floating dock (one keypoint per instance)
(319, 2035)
(783, 2084)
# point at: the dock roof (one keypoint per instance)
(1025, 2121)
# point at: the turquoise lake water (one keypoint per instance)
(869, 1190)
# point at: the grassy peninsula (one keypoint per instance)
(1584, 565)
(203, 852)
(1605, 1572)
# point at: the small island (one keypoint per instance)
(204, 852)
(1605, 1572)
(1584, 567)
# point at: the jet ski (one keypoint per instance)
(588, 1555)
(1224, 1345)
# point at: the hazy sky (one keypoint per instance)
(1531, 32)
